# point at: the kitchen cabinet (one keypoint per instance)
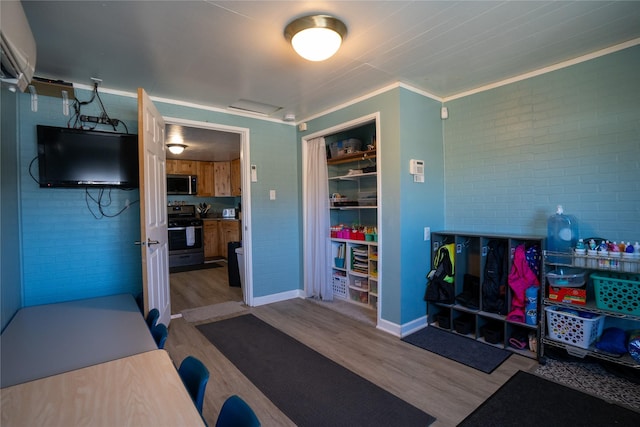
(217, 235)
(236, 178)
(476, 320)
(229, 232)
(612, 296)
(182, 167)
(205, 179)
(222, 179)
(211, 239)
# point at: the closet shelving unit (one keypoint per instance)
(354, 175)
(592, 264)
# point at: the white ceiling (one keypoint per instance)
(216, 53)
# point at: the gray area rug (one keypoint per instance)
(592, 378)
(309, 388)
(461, 349)
(527, 400)
(214, 311)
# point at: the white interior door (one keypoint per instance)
(153, 208)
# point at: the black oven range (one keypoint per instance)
(186, 246)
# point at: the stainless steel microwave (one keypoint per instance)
(182, 184)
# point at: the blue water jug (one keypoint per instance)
(562, 236)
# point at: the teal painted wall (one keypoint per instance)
(69, 254)
(422, 204)
(410, 128)
(10, 273)
(569, 137)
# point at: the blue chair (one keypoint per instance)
(195, 377)
(237, 413)
(160, 334)
(152, 318)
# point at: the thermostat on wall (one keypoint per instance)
(416, 167)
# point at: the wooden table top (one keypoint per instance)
(54, 338)
(140, 390)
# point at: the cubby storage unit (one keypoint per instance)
(353, 187)
(473, 320)
(355, 276)
(612, 295)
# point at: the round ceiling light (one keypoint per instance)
(316, 37)
(176, 148)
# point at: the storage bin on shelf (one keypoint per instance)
(566, 277)
(570, 327)
(339, 285)
(617, 292)
(344, 147)
(567, 285)
(359, 296)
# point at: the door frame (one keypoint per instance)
(245, 169)
(354, 123)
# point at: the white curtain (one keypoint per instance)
(317, 248)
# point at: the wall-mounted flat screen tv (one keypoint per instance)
(86, 158)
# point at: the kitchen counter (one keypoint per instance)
(219, 219)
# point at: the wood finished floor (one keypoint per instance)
(447, 390)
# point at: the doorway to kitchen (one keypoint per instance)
(205, 146)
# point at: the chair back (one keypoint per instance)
(152, 317)
(160, 333)
(237, 413)
(195, 377)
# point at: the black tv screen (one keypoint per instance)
(83, 158)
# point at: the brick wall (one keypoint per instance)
(569, 137)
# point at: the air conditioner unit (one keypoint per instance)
(18, 55)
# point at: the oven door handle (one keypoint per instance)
(182, 228)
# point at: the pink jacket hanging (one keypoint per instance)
(520, 278)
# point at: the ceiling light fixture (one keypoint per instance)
(176, 148)
(316, 37)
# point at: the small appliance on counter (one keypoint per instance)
(229, 213)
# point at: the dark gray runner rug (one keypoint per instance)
(309, 388)
(183, 268)
(483, 357)
(529, 400)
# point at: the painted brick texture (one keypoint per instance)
(570, 137)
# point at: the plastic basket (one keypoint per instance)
(572, 329)
(340, 286)
(617, 292)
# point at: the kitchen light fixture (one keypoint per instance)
(176, 148)
(316, 37)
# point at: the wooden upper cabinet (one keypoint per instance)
(205, 179)
(222, 179)
(182, 167)
(172, 166)
(236, 178)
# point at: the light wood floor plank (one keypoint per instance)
(447, 390)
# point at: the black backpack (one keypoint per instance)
(495, 278)
(440, 286)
